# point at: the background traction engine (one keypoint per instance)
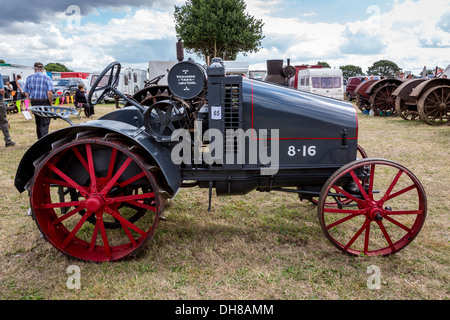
(97, 189)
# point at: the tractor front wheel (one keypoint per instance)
(387, 210)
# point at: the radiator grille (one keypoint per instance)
(232, 116)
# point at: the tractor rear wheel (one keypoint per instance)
(434, 106)
(383, 101)
(112, 206)
(387, 211)
(407, 112)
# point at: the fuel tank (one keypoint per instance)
(312, 130)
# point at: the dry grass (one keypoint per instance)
(257, 246)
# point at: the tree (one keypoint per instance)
(56, 67)
(2, 61)
(218, 28)
(349, 71)
(383, 68)
(323, 64)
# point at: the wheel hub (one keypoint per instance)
(165, 120)
(95, 203)
(443, 106)
(374, 212)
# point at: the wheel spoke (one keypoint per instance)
(76, 229)
(111, 164)
(129, 235)
(57, 182)
(400, 192)
(350, 212)
(331, 226)
(161, 129)
(142, 205)
(59, 205)
(125, 222)
(356, 236)
(386, 235)
(367, 239)
(131, 197)
(67, 215)
(360, 187)
(80, 157)
(398, 224)
(116, 177)
(403, 213)
(94, 236)
(392, 186)
(371, 181)
(132, 179)
(104, 236)
(72, 183)
(91, 169)
(346, 194)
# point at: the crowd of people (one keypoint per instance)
(38, 89)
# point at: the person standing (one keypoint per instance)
(20, 85)
(3, 120)
(12, 85)
(39, 89)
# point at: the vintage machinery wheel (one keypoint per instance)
(434, 106)
(407, 112)
(114, 186)
(362, 104)
(383, 101)
(163, 118)
(387, 212)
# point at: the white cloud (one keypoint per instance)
(411, 33)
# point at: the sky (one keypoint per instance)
(87, 35)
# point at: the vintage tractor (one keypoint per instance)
(431, 99)
(405, 105)
(377, 95)
(97, 189)
(362, 97)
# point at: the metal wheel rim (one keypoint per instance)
(434, 106)
(391, 234)
(383, 102)
(69, 232)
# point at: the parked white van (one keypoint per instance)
(325, 82)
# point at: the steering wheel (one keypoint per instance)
(105, 82)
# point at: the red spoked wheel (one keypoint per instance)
(387, 211)
(95, 200)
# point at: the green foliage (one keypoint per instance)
(56, 67)
(219, 28)
(2, 61)
(323, 64)
(349, 71)
(383, 68)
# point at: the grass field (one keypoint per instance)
(256, 246)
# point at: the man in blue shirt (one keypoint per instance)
(3, 120)
(39, 89)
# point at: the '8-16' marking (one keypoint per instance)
(305, 151)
